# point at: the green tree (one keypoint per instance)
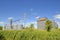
(48, 25)
(31, 25)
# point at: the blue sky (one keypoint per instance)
(32, 9)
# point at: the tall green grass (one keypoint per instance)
(29, 34)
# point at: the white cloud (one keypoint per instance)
(57, 16)
(10, 18)
(1, 22)
(37, 17)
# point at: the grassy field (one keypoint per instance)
(29, 34)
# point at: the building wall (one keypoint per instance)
(15, 27)
(41, 25)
